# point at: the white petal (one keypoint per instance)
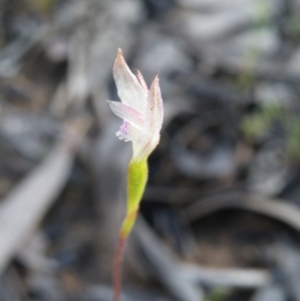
(130, 91)
(127, 113)
(145, 145)
(154, 109)
(150, 133)
(153, 122)
(141, 80)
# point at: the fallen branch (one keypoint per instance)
(282, 211)
(238, 278)
(164, 265)
(22, 210)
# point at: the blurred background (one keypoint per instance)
(220, 218)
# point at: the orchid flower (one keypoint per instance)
(141, 109)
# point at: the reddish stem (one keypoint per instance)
(117, 269)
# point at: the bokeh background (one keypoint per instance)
(220, 218)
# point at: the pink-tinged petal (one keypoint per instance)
(150, 133)
(129, 88)
(141, 80)
(154, 109)
(127, 113)
(128, 132)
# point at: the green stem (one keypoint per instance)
(137, 179)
